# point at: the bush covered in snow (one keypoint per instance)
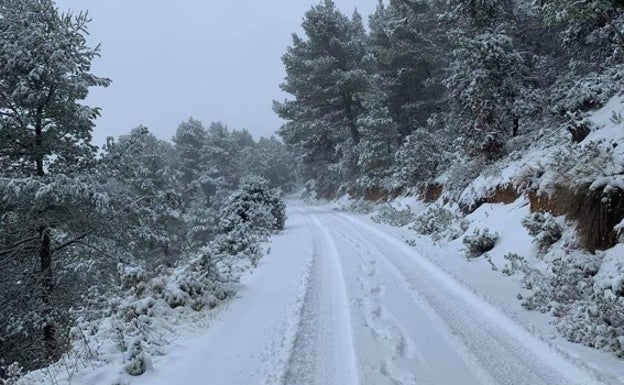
(439, 222)
(392, 216)
(254, 205)
(515, 263)
(138, 360)
(589, 309)
(544, 227)
(588, 92)
(10, 374)
(480, 242)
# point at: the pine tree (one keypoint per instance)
(189, 140)
(44, 71)
(485, 75)
(141, 176)
(327, 77)
(274, 161)
(582, 19)
(45, 134)
(407, 45)
(380, 138)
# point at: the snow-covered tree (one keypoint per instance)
(326, 76)
(274, 161)
(189, 140)
(250, 213)
(380, 138)
(142, 179)
(44, 75)
(589, 20)
(43, 222)
(45, 136)
(419, 158)
(407, 46)
(485, 75)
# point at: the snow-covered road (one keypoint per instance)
(339, 301)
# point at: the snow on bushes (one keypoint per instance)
(574, 287)
(255, 205)
(440, 222)
(248, 217)
(9, 375)
(138, 361)
(138, 322)
(480, 242)
(515, 263)
(395, 217)
(544, 228)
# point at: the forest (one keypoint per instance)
(77, 221)
(441, 87)
(457, 102)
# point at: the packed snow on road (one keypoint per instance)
(341, 300)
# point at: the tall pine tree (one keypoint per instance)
(327, 77)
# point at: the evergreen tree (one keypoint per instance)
(44, 74)
(593, 21)
(45, 135)
(141, 177)
(274, 161)
(485, 75)
(378, 146)
(327, 77)
(407, 45)
(189, 140)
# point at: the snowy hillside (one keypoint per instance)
(515, 236)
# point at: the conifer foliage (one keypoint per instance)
(78, 228)
(383, 108)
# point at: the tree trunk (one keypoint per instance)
(40, 171)
(47, 283)
(355, 134)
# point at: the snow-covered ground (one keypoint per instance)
(342, 300)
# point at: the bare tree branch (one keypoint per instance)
(71, 242)
(17, 246)
(94, 248)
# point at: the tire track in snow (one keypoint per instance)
(323, 351)
(402, 329)
(387, 333)
(506, 351)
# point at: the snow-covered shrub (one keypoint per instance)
(515, 263)
(439, 222)
(138, 361)
(255, 205)
(131, 276)
(587, 93)
(248, 217)
(9, 375)
(568, 279)
(480, 242)
(418, 159)
(596, 317)
(597, 322)
(392, 216)
(198, 284)
(544, 228)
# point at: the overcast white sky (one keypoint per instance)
(214, 60)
